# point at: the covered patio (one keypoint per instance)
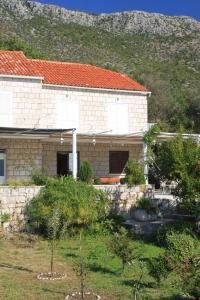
(61, 151)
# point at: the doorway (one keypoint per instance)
(65, 163)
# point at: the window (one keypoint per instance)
(118, 118)
(117, 161)
(67, 113)
(5, 109)
(65, 163)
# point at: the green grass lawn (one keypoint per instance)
(20, 263)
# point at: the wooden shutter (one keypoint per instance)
(5, 109)
(67, 113)
(122, 111)
(117, 161)
(118, 118)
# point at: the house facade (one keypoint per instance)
(54, 115)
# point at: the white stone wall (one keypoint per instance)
(22, 157)
(13, 201)
(123, 198)
(98, 155)
(35, 105)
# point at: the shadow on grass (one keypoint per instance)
(71, 255)
(46, 290)
(131, 283)
(20, 268)
(104, 270)
(176, 297)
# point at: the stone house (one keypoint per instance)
(54, 115)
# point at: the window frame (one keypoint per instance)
(67, 153)
(10, 114)
(120, 170)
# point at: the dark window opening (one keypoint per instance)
(117, 161)
(65, 163)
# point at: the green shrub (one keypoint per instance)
(159, 268)
(19, 182)
(191, 282)
(134, 173)
(180, 246)
(121, 246)
(39, 179)
(4, 218)
(86, 173)
(173, 227)
(145, 203)
(123, 180)
(78, 202)
(97, 181)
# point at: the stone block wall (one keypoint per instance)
(98, 155)
(123, 199)
(22, 157)
(35, 105)
(13, 200)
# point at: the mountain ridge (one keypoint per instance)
(119, 22)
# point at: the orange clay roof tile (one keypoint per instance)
(67, 74)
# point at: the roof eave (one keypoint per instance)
(145, 93)
(32, 77)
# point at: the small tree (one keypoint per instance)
(138, 284)
(177, 160)
(134, 173)
(120, 246)
(80, 268)
(54, 235)
(86, 173)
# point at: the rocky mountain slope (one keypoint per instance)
(126, 22)
(159, 51)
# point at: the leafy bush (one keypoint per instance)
(39, 179)
(177, 160)
(159, 268)
(123, 180)
(145, 203)
(191, 280)
(120, 246)
(173, 227)
(134, 173)
(79, 204)
(86, 173)
(180, 246)
(4, 218)
(97, 181)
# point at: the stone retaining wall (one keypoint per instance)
(13, 200)
(123, 198)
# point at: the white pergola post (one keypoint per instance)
(145, 159)
(74, 153)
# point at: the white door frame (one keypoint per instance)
(3, 157)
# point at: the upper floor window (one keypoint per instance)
(5, 109)
(118, 118)
(67, 113)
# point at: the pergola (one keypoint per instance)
(38, 133)
(70, 134)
